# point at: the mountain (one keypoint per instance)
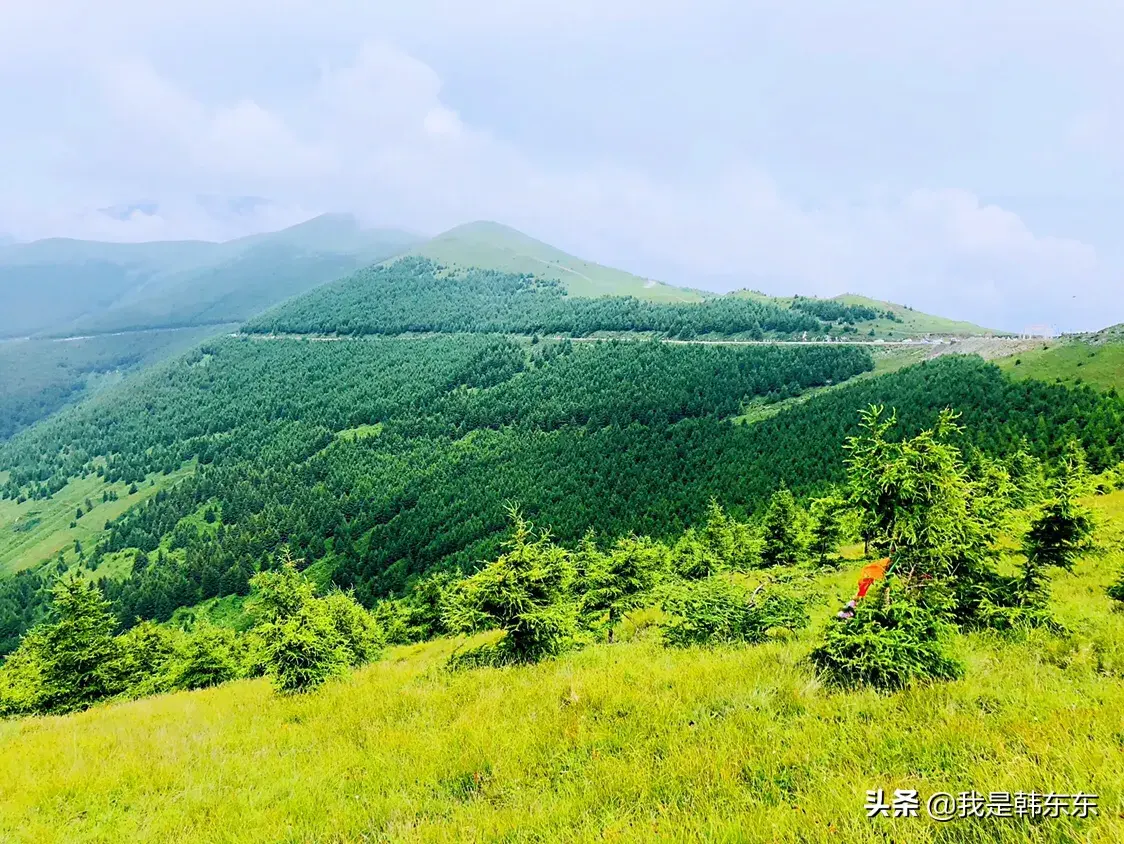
(492, 246)
(61, 286)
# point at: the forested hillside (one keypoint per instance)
(419, 295)
(37, 377)
(384, 459)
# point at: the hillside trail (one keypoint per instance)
(989, 348)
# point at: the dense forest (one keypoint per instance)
(830, 310)
(37, 377)
(418, 295)
(380, 460)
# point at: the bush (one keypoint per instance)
(147, 654)
(299, 640)
(23, 678)
(358, 633)
(720, 610)
(1116, 590)
(207, 656)
(897, 636)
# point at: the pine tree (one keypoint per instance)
(827, 525)
(1063, 528)
(299, 645)
(209, 655)
(622, 579)
(525, 593)
(82, 658)
(781, 541)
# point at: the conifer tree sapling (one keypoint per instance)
(781, 544)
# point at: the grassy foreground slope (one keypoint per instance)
(624, 742)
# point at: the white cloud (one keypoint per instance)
(371, 129)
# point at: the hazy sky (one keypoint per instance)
(961, 156)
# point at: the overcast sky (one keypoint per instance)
(960, 156)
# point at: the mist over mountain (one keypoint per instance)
(60, 286)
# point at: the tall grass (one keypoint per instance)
(625, 742)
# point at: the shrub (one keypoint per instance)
(358, 633)
(207, 656)
(148, 651)
(1116, 590)
(720, 610)
(23, 678)
(897, 637)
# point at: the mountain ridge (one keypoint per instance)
(65, 285)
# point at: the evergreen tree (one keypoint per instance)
(298, 638)
(525, 593)
(82, 658)
(898, 636)
(208, 655)
(827, 524)
(782, 543)
(1063, 528)
(622, 579)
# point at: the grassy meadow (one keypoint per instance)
(627, 742)
(1096, 364)
(37, 530)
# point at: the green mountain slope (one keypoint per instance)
(911, 323)
(73, 287)
(629, 742)
(39, 376)
(492, 246)
(1097, 361)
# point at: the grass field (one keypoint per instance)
(1097, 364)
(625, 742)
(35, 531)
